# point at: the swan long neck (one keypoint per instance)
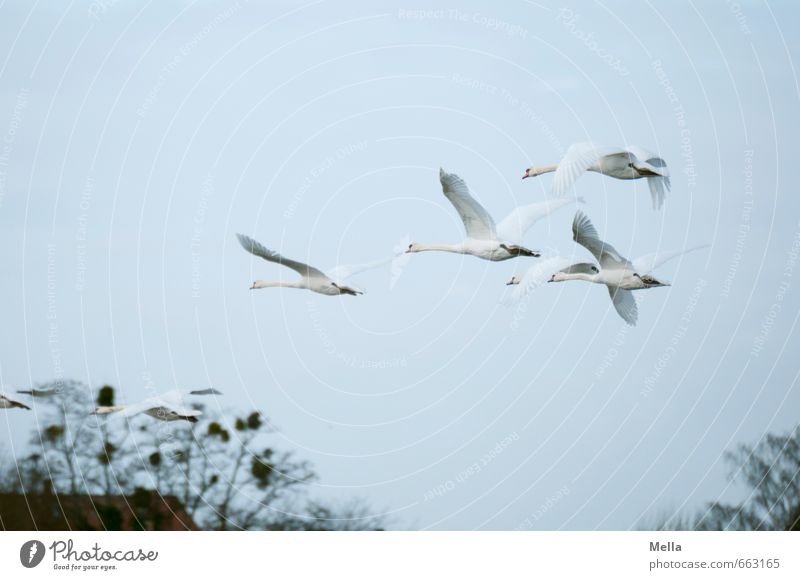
(579, 276)
(539, 169)
(258, 284)
(457, 248)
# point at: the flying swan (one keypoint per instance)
(485, 239)
(619, 162)
(619, 274)
(166, 407)
(329, 283)
(41, 393)
(6, 403)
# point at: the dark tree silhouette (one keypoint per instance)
(224, 473)
(770, 470)
(78, 454)
(222, 469)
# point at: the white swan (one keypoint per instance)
(6, 403)
(619, 274)
(619, 162)
(165, 407)
(329, 283)
(41, 393)
(485, 239)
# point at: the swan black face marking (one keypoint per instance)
(648, 280)
(629, 162)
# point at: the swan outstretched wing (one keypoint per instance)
(477, 221)
(151, 404)
(578, 158)
(400, 261)
(259, 250)
(174, 400)
(8, 403)
(649, 262)
(625, 303)
(203, 392)
(658, 190)
(659, 185)
(345, 271)
(584, 232)
(34, 392)
(581, 268)
(519, 221)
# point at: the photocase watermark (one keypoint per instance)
(473, 469)
(546, 506)
(67, 557)
(568, 18)
(744, 224)
(678, 111)
(318, 170)
(183, 52)
(206, 191)
(81, 234)
(456, 15)
(31, 553)
(777, 305)
(677, 336)
(7, 146)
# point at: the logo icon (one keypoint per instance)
(31, 553)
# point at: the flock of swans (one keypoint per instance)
(496, 242)
(168, 407)
(484, 239)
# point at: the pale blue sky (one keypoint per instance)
(139, 137)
